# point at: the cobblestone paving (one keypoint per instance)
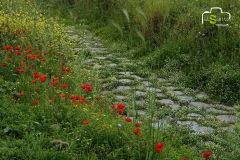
(172, 104)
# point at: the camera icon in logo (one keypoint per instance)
(216, 17)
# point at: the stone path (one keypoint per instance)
(124, 83)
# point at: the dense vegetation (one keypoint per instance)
(50, 106)
(169, 35)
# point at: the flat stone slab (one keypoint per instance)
(160, 95)
(194, 115)
(95, 50)
(140, 102)
(180, 93)
(122, 59)
(112, 64)
(203, 129)
(146, 83)
(100, 58)
(98, 48)
(227, 118)
(185, 98)
(88, 60)
(105, 92)
(175, 106)
(170, 87)
(211, 109)
(166, 101)
(110, 55)
(160, 123)
(120, 97)
(136, 77)
(77, 49)
(140, 93)
(125, 80)
(141, 112)
(123, 88)
(125, 73)
(229, 128)
(152, 89)
(201, 95)
(97, 66)
(197, 128)
(86, 43)
(74, 36)
(199, 105)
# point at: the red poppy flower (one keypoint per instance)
(36, 89)
(35, 75)
(55, 79)
(63, 95)
(43, 60)
(185, 158)
(23, 64)
(158, 150)
(34, 102)
(62, 54)
(159, 147)
(35, 56)
(80, 98)
(137, 131)
(72, 97)
(206, 154)
(121, 106)
(120, 111)
(18, 31)
(138, 124)
(54, 83)
(113, 107)
(128, 119)
(83, 103)
(17, 48)
(64, 86)
(87, 87)
(34, 81)
(21, 94)
(8, 59)
(45, 53)
(20, 70)
(63, 63)
(8, 48)
(51, 100)
(18, 53)
(3, 64)
(28, 51)
(85, 122)
(75, 103)
(42, 78)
